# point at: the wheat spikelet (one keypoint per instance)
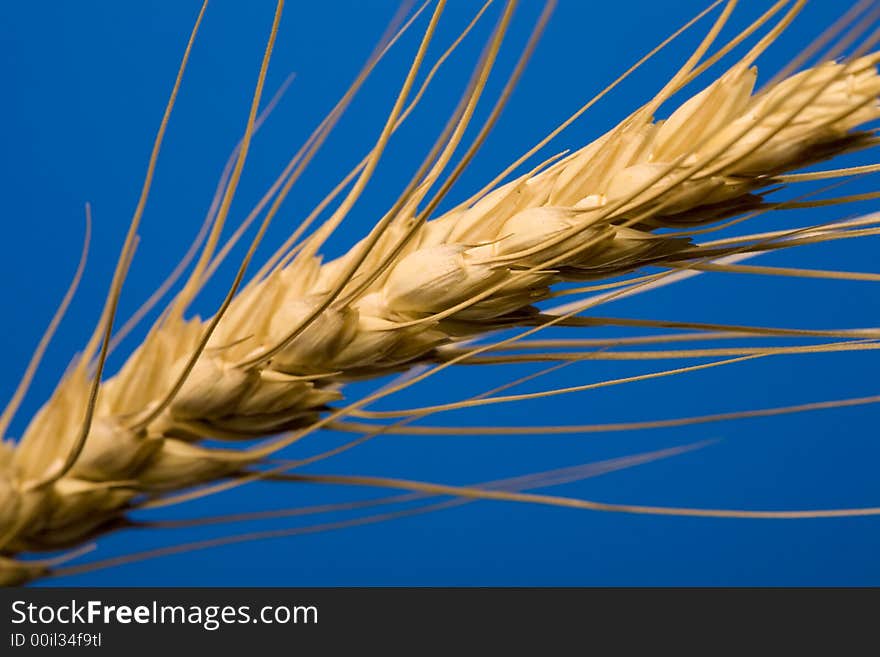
(279, 352)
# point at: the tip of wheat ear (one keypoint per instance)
(588, 215)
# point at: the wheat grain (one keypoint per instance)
(278, 354)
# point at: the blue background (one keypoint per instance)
(86, 84)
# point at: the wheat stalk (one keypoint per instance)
(279, 351)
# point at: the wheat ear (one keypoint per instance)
(280, 350)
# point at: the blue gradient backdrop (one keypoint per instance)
(85, 84)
